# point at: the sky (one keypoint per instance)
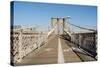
(40, 14)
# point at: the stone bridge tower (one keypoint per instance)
(59, 23)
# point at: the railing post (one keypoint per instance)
(20, 46)
(80, 40)
(95, 45)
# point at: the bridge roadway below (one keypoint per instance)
(56, 50)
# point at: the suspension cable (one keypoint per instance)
(82, 27)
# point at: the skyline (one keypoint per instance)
(40, 14)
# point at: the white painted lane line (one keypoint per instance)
(60, 52)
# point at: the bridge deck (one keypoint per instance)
(55, 51)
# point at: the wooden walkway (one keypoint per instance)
(56, 50)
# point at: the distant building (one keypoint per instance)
(16, 27)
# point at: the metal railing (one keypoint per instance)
(23, 42)
(86, 41)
